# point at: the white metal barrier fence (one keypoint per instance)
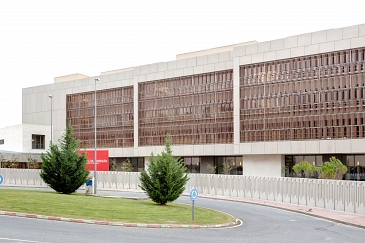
(346, 196)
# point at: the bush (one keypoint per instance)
(165, 178)
(305, 169)
(127, 166)
(63, 169)
(226, 166)
(211, 168)
(33, 163)
(334, 169)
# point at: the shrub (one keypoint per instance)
(113, 165)
(63, 169)
(165, 178)
(211, 168)
(333, 169)
(305, 169)
(127, 166)
(227, 166)
(33, 163)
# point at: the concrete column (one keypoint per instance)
(236, 105)
(135, 103)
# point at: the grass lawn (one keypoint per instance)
(79, 206)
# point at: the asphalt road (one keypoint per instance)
(260, 224)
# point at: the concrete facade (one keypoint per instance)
(259, 158)
(18, 138)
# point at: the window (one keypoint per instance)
(137, 163)
(192, 164)
(38, 141)
(1, 141)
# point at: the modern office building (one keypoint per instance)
(259, 106)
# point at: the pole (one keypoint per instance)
(51, 96)
(95, 136)
(51, 119)
(192, 215)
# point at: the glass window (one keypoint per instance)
(319, 160)
(140, 164)
(195, 163)
(192, 164)
(360, 160)
(311, 159)
(187, 162)
(298, 159)
(38, 141)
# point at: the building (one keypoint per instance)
(21, 142)
(261, 107)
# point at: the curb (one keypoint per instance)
(131, 225)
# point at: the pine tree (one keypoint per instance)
(165, 178)
(63, 169)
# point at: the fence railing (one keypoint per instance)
(348, 196)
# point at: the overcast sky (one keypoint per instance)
(40, 40)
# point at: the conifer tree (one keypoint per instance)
(165, 178)
(63, 169)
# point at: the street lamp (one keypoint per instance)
(97, 79)
(51, 96)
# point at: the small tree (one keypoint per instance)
(127, 166)
(227, 166)
(165, 178)
(2, 161)
(113, 165)
(211, 168)
(305, 169)
(12, 163)
(63, 169)
(334, 169)
(33, 163)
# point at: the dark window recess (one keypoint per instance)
(1, 141)
(137, 163)
(38, 141)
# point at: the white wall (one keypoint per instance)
(19, 138)
(12, 138)
(28, 130)
(263, 165)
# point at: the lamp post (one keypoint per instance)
(95, 136)
(51, 96)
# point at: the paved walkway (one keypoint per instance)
(353, 219)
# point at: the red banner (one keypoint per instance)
(102, 159)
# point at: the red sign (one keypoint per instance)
(102, 159)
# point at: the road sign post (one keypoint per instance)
(193, 196)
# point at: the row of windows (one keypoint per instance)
(322, 108)
(313, 67)
(353, 84)
(183, 113)
(115, 116)
(327, 102)
(313, 73)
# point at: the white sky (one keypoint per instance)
(40, 40)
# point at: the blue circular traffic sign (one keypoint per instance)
(1, 179)
(194, 194)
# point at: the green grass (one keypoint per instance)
(79, 206)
